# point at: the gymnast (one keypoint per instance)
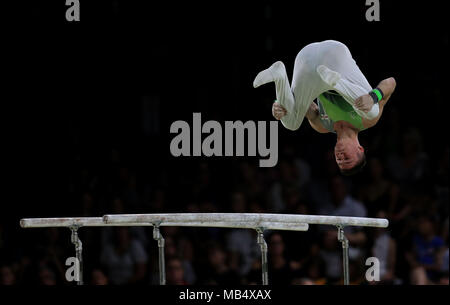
(346, 103)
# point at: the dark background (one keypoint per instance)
(89, 103)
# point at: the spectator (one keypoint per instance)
(410, 167)
(280, 272)
(98, 277)
(125, 259)
(427, 248)
(7, 276)
(46, 276)
(52, 256)
(175, 272)
(443, 276)
(302, 281)
(385, 250)
(343, 204)
(182, 250)
(330, 253)
(444, 280)
(187, 254)
(251, 181)
(288, 179)
(217, 270)
(379, 193)
(139, 233)
(241, 243)
(315, 268)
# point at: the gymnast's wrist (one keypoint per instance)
(377, 95)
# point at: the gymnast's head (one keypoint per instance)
(350, 156)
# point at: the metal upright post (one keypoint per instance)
(344, 241)
(264, 267)
(78, 252)
(162, 265)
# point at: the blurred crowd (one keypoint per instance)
(406, 184)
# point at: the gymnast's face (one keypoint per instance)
(347, 154)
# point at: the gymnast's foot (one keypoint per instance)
(328, 76)
(275, 71)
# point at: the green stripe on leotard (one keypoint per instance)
(338, 109)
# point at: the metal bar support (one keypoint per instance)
(162, 264)
(78, 252)
(264, 267)
(344, 242)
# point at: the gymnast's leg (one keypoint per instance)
(277, 73)
(341, 72)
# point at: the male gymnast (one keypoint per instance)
(346, 103)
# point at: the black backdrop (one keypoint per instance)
(76, 90)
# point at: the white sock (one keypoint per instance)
(274, 72)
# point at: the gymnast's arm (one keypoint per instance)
(289, 120)
(313, 117)
(387, 86)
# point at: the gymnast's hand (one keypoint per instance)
(278, 111)
(364, 103)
